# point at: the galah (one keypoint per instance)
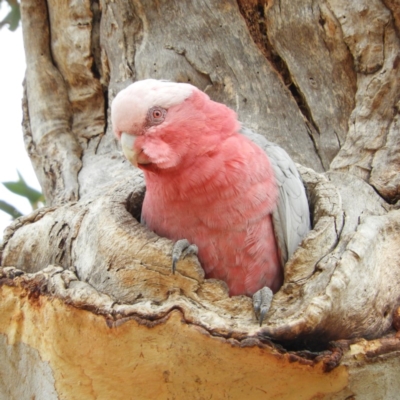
(208, 185)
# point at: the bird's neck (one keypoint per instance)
(203, 174)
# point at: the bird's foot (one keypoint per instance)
(262, 302)
(181, 249)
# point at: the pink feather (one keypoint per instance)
(210, 185)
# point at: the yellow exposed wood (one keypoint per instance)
(172, 360)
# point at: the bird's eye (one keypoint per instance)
(156, 115)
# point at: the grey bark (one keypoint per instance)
(320, 78)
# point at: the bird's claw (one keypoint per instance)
(262, 302)
(181, 249)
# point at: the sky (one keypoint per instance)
(13, 155)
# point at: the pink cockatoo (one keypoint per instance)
(210, 185)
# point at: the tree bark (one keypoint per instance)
(86, 289)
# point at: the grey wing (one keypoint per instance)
(292, 216)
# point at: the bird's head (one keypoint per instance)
(163, 125)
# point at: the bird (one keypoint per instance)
(215, 188)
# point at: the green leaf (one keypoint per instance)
(21, 188)
(9, 209)
(13, 17)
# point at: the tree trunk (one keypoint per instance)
(89, 308)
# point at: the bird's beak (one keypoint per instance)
(134, 156)
(127, 143)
